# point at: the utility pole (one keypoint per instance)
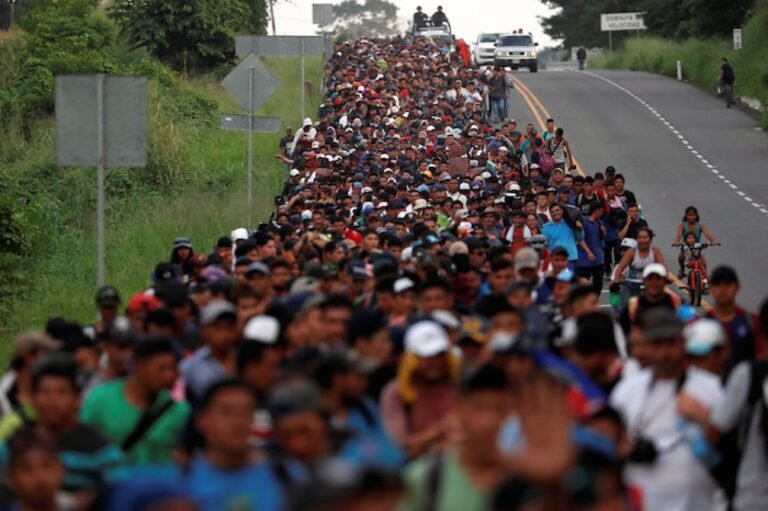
(272, 15)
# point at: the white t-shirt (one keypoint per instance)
(677, 481)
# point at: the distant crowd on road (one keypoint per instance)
(421, 324)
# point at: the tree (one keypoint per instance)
(578, 21)
(188, 34)
(374, 18)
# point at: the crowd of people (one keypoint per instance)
(418, 326)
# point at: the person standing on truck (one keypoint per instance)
(439, 18)
(727, 77)
(581, 57)
(419, 18)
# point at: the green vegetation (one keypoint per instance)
(577, 22)
(701, 58)
(194, 184)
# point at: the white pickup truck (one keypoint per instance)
(515, 51)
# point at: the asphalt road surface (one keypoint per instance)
(676, 146)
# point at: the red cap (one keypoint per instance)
(142, 302)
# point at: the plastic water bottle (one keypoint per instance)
(694, 436)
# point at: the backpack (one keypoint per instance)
(546, 161)
(732, 444)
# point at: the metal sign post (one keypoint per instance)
(101, 121)
(303, 88)
(100, 244)
(251, 92)
(251, 72)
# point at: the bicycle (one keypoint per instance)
(694, 277)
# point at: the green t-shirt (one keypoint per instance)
(107, 409)
(455, 491)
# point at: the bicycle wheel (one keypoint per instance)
(696, 290)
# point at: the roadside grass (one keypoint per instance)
(207, 199)
(701, 59)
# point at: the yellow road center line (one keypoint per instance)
(528, 95)
(530, 104)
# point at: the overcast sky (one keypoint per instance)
(468, 17)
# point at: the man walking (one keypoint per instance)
(581, 57)
(498, 94)
(727, 77)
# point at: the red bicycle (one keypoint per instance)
(695, 272)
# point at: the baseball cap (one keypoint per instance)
(107, 296)
(120, 332)
(426, 339)
(304, 284)
(565, 276)
(629, 243)
(182, 242)
(446, 318)
(358, 271)
(215, 310)
(239, 234)
(33, 341)
(142, 302)
(258, 267)
(538, 241)
(263, 329)
(655, 269)
(403, 284)
(660, 323)
(294, 172)
(293, 397)
(702, 336)
(526, 259)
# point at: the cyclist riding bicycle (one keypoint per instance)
(691, 223)
(636, 259)
(687, 251)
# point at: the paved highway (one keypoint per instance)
(676, 145)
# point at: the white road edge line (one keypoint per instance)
(682, 138)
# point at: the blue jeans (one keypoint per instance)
(499, 108)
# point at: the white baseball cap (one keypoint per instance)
(655, 269)
(403, 284)
(447, 318)
(263, 329)
(702, 336)
(240, 233)
(629, 243)
(295, 172)
(426, 339)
